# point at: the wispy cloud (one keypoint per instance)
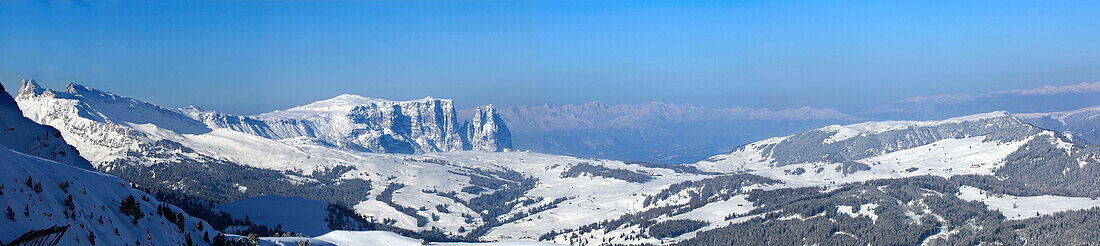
(1045, 90)
(1051, 90)
(931, 105)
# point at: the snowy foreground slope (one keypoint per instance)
(90, 203)
(38, 194)
(868, 183)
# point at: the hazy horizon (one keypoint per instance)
(1050, 98)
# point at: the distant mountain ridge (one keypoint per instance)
(1039, 99)
(600, 116)
(654, 131)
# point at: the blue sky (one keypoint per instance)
(256, 56)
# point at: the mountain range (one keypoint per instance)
(343, 169)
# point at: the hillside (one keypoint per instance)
(40, 194)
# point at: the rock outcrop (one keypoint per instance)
(487, 131)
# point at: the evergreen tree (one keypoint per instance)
(69, 203)
(130, 207)
(10, 214)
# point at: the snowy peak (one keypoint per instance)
(88, 92)
(21, 134)
(30, 88)
(344, 104)
(104, 107)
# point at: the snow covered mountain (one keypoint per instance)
(472, 194)
(859, 141)
(93, 208)
(835, 185)
(26, 136)
(372, 125)
(97, 123)
(996, 144)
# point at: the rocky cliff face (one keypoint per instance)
(21, 134)
(372, 125)
(487, 131)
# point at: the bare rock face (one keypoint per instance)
(368, 124)
(23, 135)
(487, 131)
